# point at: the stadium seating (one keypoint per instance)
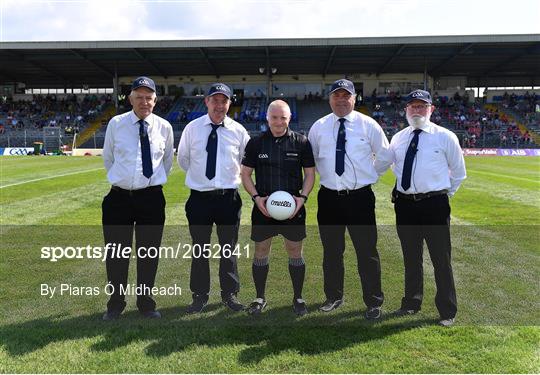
(512, 121)
(22, 122)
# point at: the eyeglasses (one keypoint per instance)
(419, 107)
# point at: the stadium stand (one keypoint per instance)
(23, 121)
(476, 124)
(510, 121)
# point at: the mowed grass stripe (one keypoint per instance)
(52, 186)
(43, 208)
(21, 168)
(517, 166)
(78, 171)
(481, 256)
(485, 203)
(504, 191)
(66, 335)
(476, 207)
(357, 350)
(519, 181)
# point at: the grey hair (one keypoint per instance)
(154, 95)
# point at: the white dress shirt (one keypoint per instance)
(365, 140)
(122, 151)
(192, 155)
(438, 164)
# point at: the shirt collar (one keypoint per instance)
(135, 120)
(427, 127)
(268, 133)
(350, 117)
(226, 121)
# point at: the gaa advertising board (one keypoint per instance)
(16, 151)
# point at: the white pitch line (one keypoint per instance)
(48, 178)
(506, 176)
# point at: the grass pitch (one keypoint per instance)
(56, 201)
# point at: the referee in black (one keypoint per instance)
(278, 157)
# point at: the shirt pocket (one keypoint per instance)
(433, 159)
(327, 147)
(158, 147)
(291, 161)
(358, 144)
(126, 147)
(197, 150)
(231, 158)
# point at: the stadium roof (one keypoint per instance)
(483, 59)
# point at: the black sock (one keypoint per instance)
(259, 270)
(297, 270)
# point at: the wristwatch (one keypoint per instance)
(303, 196)
(254, 197)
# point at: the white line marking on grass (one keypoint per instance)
(505, 176)
(49, 177)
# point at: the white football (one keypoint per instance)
(280, 205)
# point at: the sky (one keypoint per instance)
(95, 20)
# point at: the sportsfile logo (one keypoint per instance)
(280, 203)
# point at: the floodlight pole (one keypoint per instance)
(115, 87)
(425, 74)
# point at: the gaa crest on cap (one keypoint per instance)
(419, 95)
(220, 88)
(344, 84)
(143, 82)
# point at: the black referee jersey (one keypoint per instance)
(278, 161)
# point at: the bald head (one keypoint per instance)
(279, 105)
(278, 116)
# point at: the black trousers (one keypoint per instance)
(142, 211)
(203, 209)
(356, 213)
(429, 220)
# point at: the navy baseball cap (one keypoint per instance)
(220, 88)
(144, 82)
(419, 95)
(344, 84)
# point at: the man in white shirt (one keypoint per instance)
(429, 167)
(344, 144)
(210, 151)
(138, 155)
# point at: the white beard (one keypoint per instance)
(417, 121)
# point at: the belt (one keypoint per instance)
(419, 196)
(347, 192)
(294, 193)
(216, 192)
(137, 191)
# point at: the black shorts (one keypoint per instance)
(263, 227)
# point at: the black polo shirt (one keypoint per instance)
(278, 161)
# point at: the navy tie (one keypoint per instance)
(145, 150)
(409, 159)
(340, 148)
(211, 149)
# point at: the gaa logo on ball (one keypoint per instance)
(280, 205)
